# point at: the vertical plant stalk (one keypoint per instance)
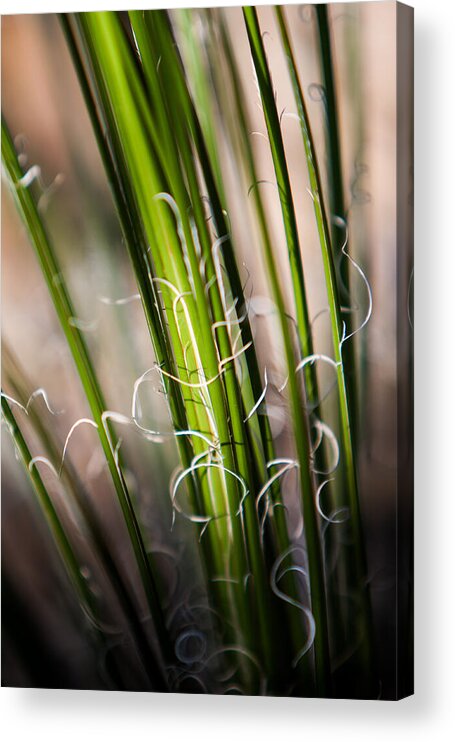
(239, 114)
(241, 132)
(193, 35)
(153, 35)
(137, 133)
(73, 568)
(221, 228)
(300, 422)
(337, 339)
(163, 337)
(134, 239)
(284, 191)
(63, 306)
(336, 189)
(183, 417)
(83, 509)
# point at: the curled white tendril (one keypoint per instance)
(13, 401)
(174, 483)
(42, 393)
(43, 460)
(206, 382)
(107, 415)
(340, 222)
(324, 430)
(209, 283)
(81, 421)
(259, 400)
(179, 298)
(316, 357)
(156, 435)
(275, 576)
(216, 247)
(286, 465)
(136, 410)
(37, 393)
(171, 202)
(197, 464)
(32, 174)
(340, 515)
(228, 323)
(35, 173)
(311, 359)
(146, 433)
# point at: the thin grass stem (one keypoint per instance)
(338, 335)
(301, 432)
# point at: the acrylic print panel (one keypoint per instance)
(206, 350)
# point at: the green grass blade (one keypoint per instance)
(317, 583)
(136, 241)
(184, 415)
(176, 112)
(284, 189)
(63, 306)
(337, 334)
(337, 199)
(336, 189)
(167, 262)
(241, 131)
(20, 388)
(217, 211)
(97, 104)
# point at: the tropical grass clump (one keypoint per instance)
(271, 594)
